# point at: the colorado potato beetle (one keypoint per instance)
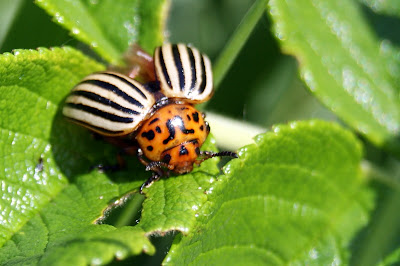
(158, 117)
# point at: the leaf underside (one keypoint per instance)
(340, 62)
(109, 28)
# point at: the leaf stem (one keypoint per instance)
(374, 172)
(382, 232)
(232, 134)
(239, 38)
(384, 226)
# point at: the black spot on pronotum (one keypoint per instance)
(171, 131)
(188, 117)
(153, 121)
(187, 131)
(183, 151)
(158, 129)
(149, 148)
(201, 127)
(197, 150)
(195, 117)
(167, 158)
(148, 135)
(178, 121)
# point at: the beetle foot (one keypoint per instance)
(149, 181)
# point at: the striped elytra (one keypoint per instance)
(157, 119)
(183, 72)
(108, 103)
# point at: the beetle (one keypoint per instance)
(158, 118)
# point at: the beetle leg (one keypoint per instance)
(154, 177)
(139, 64)
(154, 166)
(121, 164)
(140, 157)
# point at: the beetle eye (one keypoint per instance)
(207, 126)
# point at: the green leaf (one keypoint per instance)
(173, 203)
(297, 196)
(392, 259)
(389, 7)
(64, 233)
(30, 84)
(109, 27)
(8, 11)
(391, 53)
(341, 63)
(49, 196)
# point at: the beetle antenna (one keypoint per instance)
(209, 154)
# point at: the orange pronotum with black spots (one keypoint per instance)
(174, 135)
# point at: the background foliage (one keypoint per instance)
(312, 185)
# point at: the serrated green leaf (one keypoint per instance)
(297, 196)
(109, 27)
(341, 63)
(172, 204)
(389, 7)
(33, 84)
(64, 233)
(28, 105)
(49, 195)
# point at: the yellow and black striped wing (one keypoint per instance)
(183, 72)
(108, 103)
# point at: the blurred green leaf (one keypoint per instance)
(110, 28)
(392, 259)
(391, 53)
(297, 196)
(389, 7)
(33, 28)
(236, 43)
(341, 64)
(8, 11)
